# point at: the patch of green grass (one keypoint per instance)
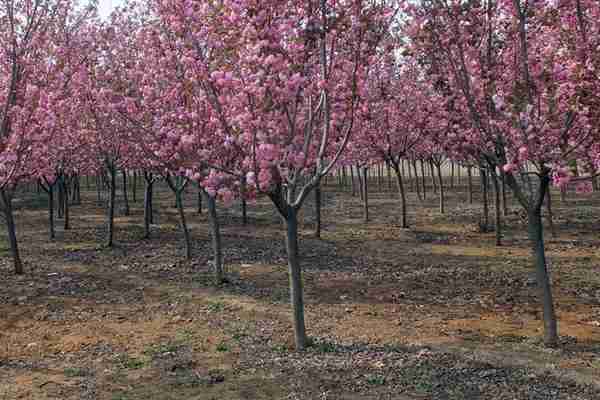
(376, 380)
(324, 347)
(223, 347)
(215, 306)
(280, 348)
(127, 362)
(161, 348)
(184, 335)
(74, 372)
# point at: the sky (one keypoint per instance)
(106, 6)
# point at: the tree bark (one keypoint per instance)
(497, 207)
(184, 228)
(417, 183)
(353, 186)
(504, 196)
(366, 194)
(199, 200)
(470, 183)
(549, 213)
(148, 203)
(295, 276)
(61, 199)
(402, 193)
(318, 211)
(125, 196)
(134, 187)
(424, 184)
(486, 210)
(536, 238)
(11, 230)
(49, 189)
(433, 177)
(112, 187)
(441, 184)
(216, 239)
(64, 182)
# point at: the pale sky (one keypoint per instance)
(106, 6)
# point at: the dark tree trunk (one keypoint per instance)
(359, 177)
(295, 273)
(486, 210)
(433, 177)
(134, 187)
(423, 183)
(452, 175)
(64, 182)
(49, 189)
(441, 184)
(318, 211)
(379, 177)
(504, 203)
(470, 183)
(11, 230)
(112, 187)
(184, 228)
(497, 207)
(61, 199)
(125, 196)
(417, 183)
(536, 236)
(389, 176)
(352, 184)
(244, 205)
(549, 213)
(199, 200)
(148, 203)
(366, 194)
(402, 193)
(216, 239)
(76, 190)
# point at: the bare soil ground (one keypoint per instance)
(434, 312)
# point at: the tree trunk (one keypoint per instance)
(111, 204)
(134, 187)
(441, 183)
(216, 239)
(295, 272)
(504, 196)
(186, 233)
(125, 196)
(550, 214)
(64, 182)
(318, 211)
(451, 175)
(470, 183)
(536, 237)
(353, 186)
(497, 207)
(389, 176)
(486, 210)
(423, 183)
(433, 178)
(61, 199)
(199, 200)
(76, 190)
(11, 230)
(402, 193)
(366, 194)
(148, 204)
(417, 183)
(359, 177)
(49, 189)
